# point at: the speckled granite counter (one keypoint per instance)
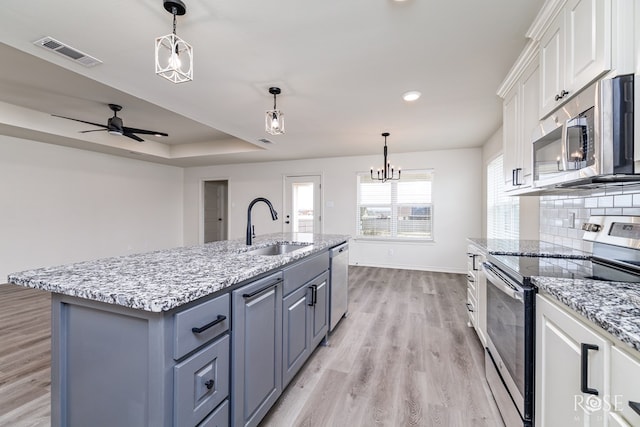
(162, 280)
(614, 306)
(532, 248)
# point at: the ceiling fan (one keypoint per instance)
(114, 126)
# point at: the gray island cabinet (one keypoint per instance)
(201, 336)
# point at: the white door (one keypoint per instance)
(302, 204)
(215, 210)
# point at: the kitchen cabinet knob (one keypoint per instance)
(563, 94)
(286, 222)
(209, 384)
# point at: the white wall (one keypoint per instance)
(60, 205)
(457, 195)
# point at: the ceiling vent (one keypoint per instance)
(68, 52)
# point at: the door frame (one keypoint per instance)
(201, 206)
(284, 195)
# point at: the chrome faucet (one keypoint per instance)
(274, 216)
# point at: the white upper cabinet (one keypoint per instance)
(520, 116)
(574, 51)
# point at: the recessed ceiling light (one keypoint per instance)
(412, 95)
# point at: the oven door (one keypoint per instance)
(510, 345)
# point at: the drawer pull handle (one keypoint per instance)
(470, 278)
(254, 293)
(209, 384)
(469, 307)
(584, 368)
(635, 406)
(219, 319)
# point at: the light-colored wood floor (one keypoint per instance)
(403, 357)
(25, 357)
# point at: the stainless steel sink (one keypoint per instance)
(277, 249)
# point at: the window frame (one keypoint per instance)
(503, 204)
(394, 207)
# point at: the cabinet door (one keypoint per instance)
(257, 349)
(530, 102)
(625, 392)
(551, 65)
(588, 42)
(510, 137)
(559, 349)
(320, 309)
(295, 333)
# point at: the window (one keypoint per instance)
(396, 209)
(503, 218)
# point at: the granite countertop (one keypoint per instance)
(532, 248)
(613, 306)
(165, 279)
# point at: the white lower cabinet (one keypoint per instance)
(582, 377)
(477, 292)
(625, 389)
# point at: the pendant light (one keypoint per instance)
(387, 173)
(274, 119)
(174, 56)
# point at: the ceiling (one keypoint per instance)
(342, 66)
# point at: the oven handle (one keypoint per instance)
(501, 283)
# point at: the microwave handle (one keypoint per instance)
(501, 284)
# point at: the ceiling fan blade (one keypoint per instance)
(132, 136)
(81, 121)
(143, 131)
(94, 130)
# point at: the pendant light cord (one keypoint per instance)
(174, 11)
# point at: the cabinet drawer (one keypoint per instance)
(219, 417)
(623, 389)
(300, 273)
(215, 311)
(471, 306)
(200, 383)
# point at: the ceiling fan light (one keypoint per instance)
(114, 132)
(274, 122)
(174, 59)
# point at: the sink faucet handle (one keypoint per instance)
(253, 231)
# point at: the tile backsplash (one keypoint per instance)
(562, 216)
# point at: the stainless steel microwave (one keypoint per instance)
(588, 140)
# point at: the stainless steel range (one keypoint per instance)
(510, 351)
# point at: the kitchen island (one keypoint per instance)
(197, 335)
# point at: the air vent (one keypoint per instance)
(68, 52)
(265, 141)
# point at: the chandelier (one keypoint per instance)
(387, 173)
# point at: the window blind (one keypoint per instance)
(503, 220)
(396, 209)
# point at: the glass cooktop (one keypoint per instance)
(565, 268)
